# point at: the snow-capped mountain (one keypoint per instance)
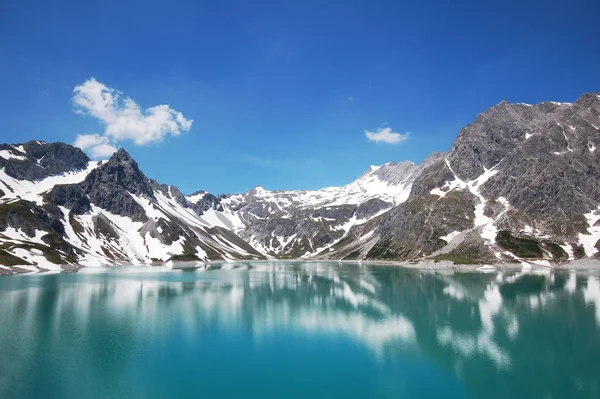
(521, 183)
(303, 223)
(95, 213)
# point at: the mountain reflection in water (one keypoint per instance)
(120, 332)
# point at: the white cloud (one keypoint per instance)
(98, 146)
(123, 118)
(386, 135)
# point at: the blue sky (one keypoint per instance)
(282, 92)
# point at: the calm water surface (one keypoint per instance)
(299, 330)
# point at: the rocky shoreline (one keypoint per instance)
(532, 266)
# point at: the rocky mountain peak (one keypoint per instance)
(388, 172)
(111, 185)
(123, 171)
(589, 101)
(496, 132)
(36, 160)
(122, 156)
(391, 173)
(201, 201)
(199, 192)
(258, 190)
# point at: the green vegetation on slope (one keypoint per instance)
(521, 247)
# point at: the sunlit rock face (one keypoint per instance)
(520, 182)
(495, 334)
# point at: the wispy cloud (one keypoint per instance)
(123, 118)
(386, 135)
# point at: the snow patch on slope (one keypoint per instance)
(9, 155)
(589, 240)
(450, 236)
(33, 190)
(487, 224)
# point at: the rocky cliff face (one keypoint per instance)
(113, 185)
(520, 183)
(37, 160)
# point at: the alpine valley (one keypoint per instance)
(520, 184)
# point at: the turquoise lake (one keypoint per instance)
(299, 330)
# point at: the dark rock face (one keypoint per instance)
(553, 176)
(371, 207)
(40, 160)
(29, 217)
(545, 168)
(491, 137)
(170, 191)
(109, 186)
(435, 173)
(121, 170)
(415, 227)
(207, 202)
(57, 158)
(71, 196)
(32, 220)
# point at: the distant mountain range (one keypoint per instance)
(522, 182)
